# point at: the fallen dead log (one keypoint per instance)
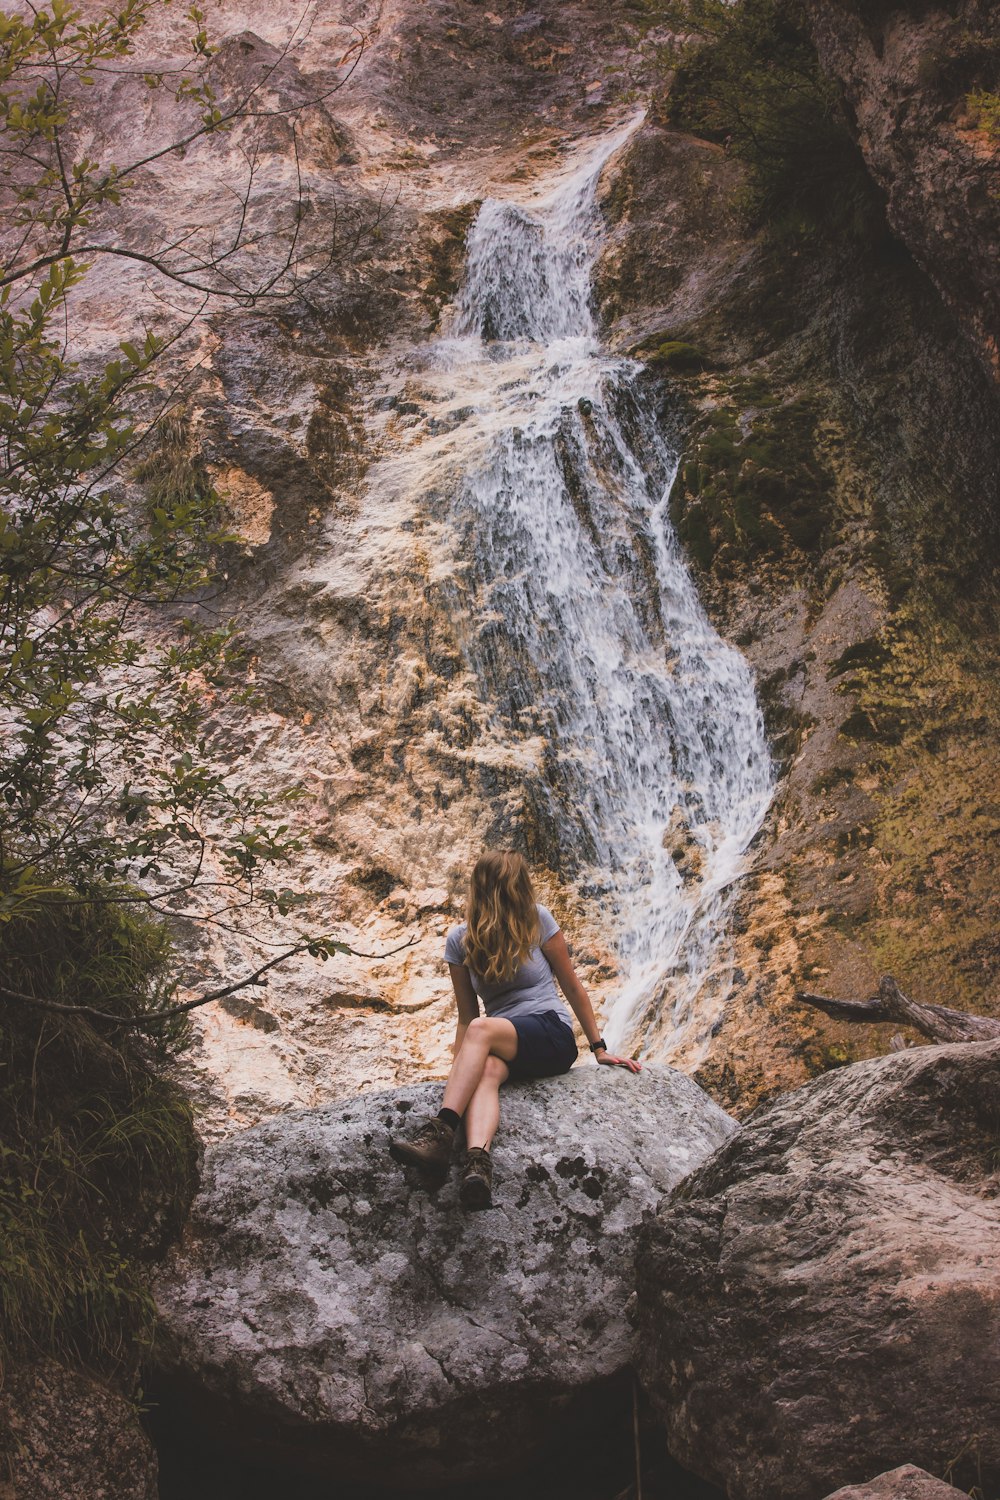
(938, 1022)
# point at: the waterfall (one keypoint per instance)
(583, 626)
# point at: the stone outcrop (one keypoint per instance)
(904, 1483)
(907, 73)
(823, 1297)
(65, 1433)
(838, 436)
(324, 1309)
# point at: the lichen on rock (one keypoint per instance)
(326, 1309)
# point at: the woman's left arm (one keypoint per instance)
(561, 964)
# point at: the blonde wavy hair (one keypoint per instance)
(501, 915)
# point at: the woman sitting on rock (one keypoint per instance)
(506, 953)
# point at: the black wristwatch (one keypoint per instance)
(599, 1046)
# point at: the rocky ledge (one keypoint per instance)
(328, 1312)
(823, 1297)
(905, 1483)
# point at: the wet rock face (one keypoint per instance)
(907, 72)
(815, 486)
(824, 1296)
(64, 1432)
(326, 1310)
(349, 591)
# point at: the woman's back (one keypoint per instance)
(531, 990)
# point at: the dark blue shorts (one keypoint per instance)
(545, 1046)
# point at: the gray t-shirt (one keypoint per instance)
(532, 989)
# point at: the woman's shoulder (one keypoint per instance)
(547, 924)
(454, 943)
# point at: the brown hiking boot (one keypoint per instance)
(429, 1148)
(476, 1190)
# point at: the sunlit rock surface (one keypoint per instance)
(910, 77)
(325, 1309)
(905, 1483)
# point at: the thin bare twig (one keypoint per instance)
(167, 1012)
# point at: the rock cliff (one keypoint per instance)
(343, 586)
(839, 541)
(823, 1297)
(908, 73)
(838, 501)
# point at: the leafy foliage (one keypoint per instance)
(106, 763)
(111, 538)
(747, 76)
(97, 1152)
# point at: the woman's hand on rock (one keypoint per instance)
(618, 1062)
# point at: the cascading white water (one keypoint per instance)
(585, 630)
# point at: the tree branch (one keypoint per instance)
(938, 1022)
(167, 1012)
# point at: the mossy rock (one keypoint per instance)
(867, 653)
(765, 491)
(886, 730)
(682, 358)
(695, 531)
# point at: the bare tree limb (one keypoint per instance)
(938, 1022)
(167, 1012)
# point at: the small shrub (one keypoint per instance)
(175, 482)
(748, 77)
(97, 1162)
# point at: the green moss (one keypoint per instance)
(676, 355)
(985, 109)
(695, 531)
(819, 1057)
(761, 487)
(935, 914)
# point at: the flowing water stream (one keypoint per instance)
(581, 621)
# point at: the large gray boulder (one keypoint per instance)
(326, 1311)
(823, 1298)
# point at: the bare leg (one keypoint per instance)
(485, 1036)
(483, 1114)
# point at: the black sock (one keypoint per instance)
(450, 1118)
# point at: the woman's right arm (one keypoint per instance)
(465, 1001)
(561, 964)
